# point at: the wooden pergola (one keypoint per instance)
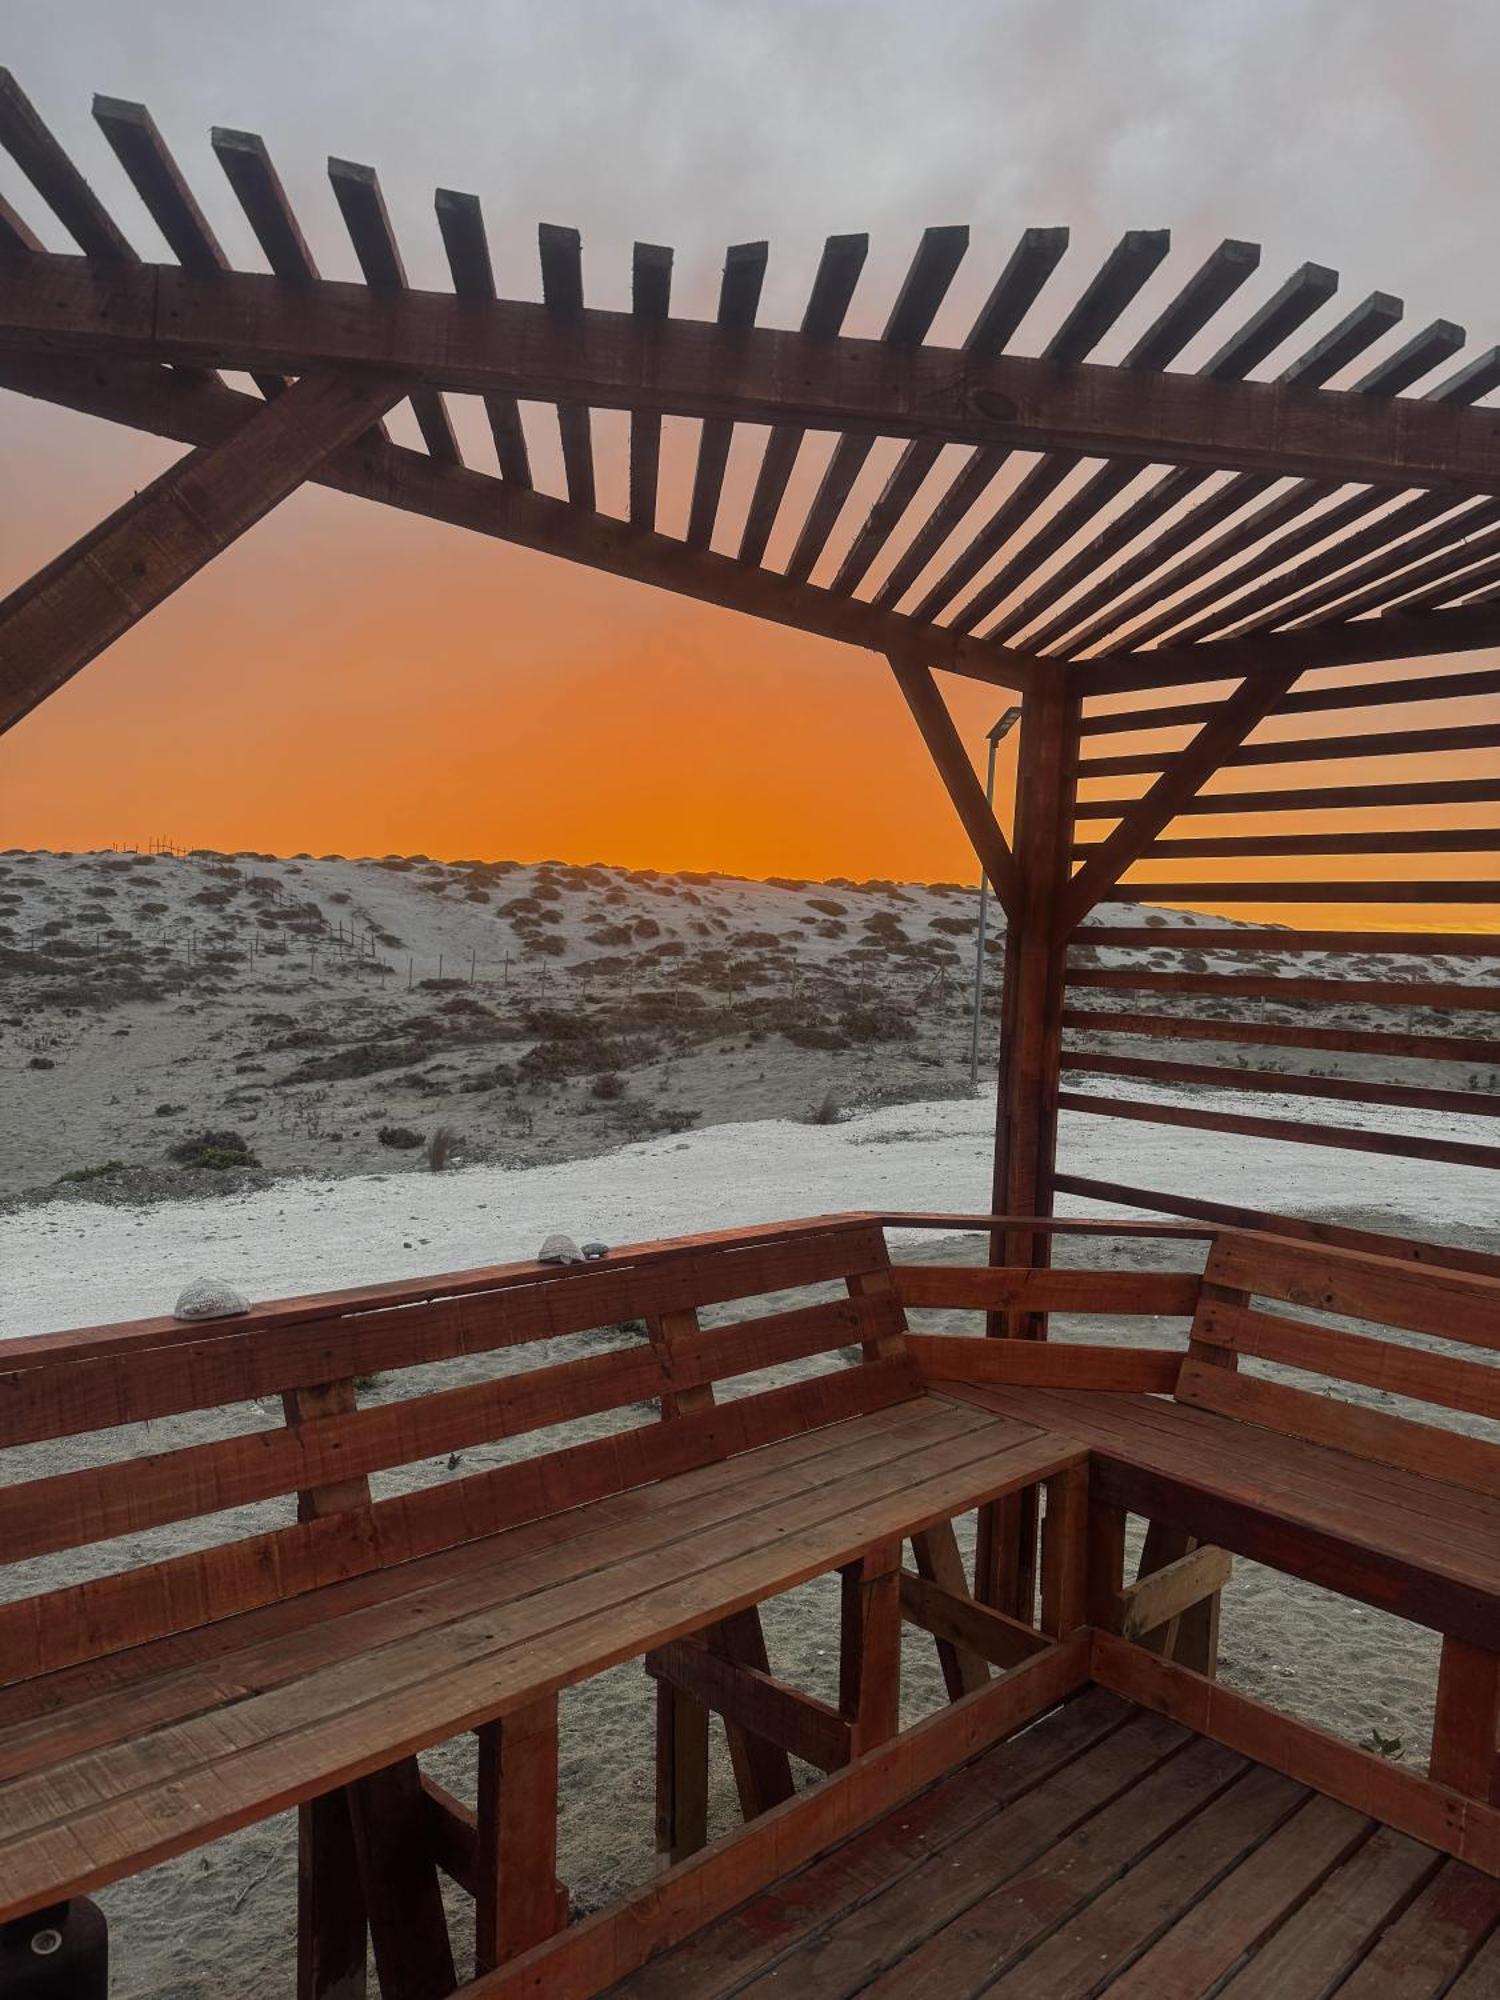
(1232, 529)
(1229, 531)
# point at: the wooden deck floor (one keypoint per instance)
(1108, 1851)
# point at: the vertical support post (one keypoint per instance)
(1036, 949)
(870, 1646)
(363, 1862)
(1466, 1725)
(518, 1899)
(762, 1770)
(1105, 1562)
(1065, 1551)
(681, 1774)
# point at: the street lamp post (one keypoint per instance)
(996, 737)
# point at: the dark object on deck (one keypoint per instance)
(60, 1953)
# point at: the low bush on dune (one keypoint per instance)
(217, 1151)
(400, 1138)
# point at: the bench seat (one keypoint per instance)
(111, 1765)
(1402, 1541)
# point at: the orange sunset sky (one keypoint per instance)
(347, 679)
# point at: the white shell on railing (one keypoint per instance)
(209, 1298)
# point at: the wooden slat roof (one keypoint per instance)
(1162, 522)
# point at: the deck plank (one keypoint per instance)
(1317, 1946)
(881, 1932)
(1154, 1892)
(1250, 1902)
(1432, 1941)
(727, 1956)
(1050, 1889)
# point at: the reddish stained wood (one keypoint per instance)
(1065, 1551)
(1285, 1035)
(1350, 1357)
(70, 1508)
(940, 1565)
(752, 375)
(1451, 1304)
(1388, 1792)
(52, 625)
(1449, 1256)
(1000, 1287)
(1066, 1364)
(519, 1901)
(408, 1928)
(604, 1948)
(1317, 1945)
(1466, 1726)
(1283, 1083)
(631, 1282)
(507, 511)
(870, 1657)
(1184, 775)
(1268, 1885)
(945, 747)
(1352, 1138)
(795, 1722)
(84, 1621)
(681, 1773)
(1431, 1941)
(903, 1853)
(435, 1682)
(967, 1626)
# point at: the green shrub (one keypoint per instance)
(215, 1150)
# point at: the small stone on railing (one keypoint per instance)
(209, 1298)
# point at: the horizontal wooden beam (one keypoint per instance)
(1388, 1792)
(1251, 986)
(1051, 1364)
(1308, 701)
(203, 413)
(1406, 944)
(1285, 1035)
(1224, 1215)
(61, 618)
(964, 1621)
(1153, 1601)
(1348, 1138)
(694, 368)
(1395, 635)
(1046, 1288)
(1485, 891)
(756, 1702)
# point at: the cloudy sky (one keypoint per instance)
(348, 679)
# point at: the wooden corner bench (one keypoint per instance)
(1091, 1796)
(1384, 1508)
(306, 1663)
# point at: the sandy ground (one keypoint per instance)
(541, 1013)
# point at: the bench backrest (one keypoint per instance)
(322, 1447)
(1459, 1307)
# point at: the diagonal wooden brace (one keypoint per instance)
(56, 622)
